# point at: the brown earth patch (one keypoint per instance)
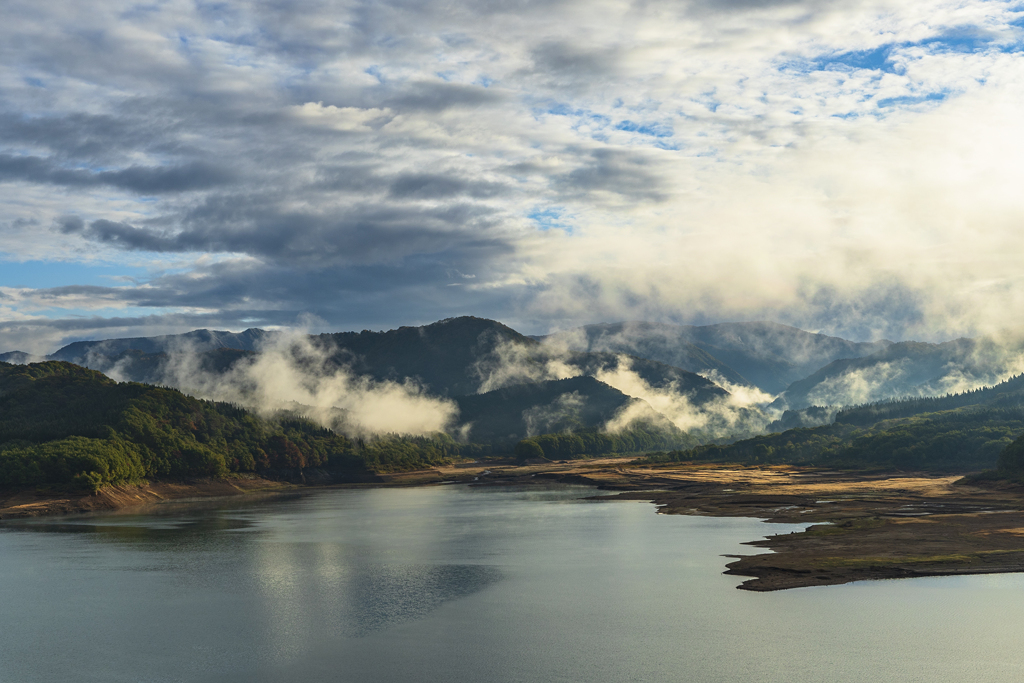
(42, 501)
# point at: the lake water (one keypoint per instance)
(461, 584)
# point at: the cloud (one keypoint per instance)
(139, 179)
(559, 415)
(733, 415)
(291, 373)
(512, 363)
(738, 412)
(951, 368)
(845, 167)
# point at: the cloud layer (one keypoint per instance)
(849, 167)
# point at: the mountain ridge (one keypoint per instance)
(768, 355)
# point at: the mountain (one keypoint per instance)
(1006, 394)
(18, 358)
(453, 358)
(196, 341)
(905, 369)
(445, 357)
(1011, 462)
(653, 341)
(767, 355)
(67, 426)
(515, 412)
(153, 368)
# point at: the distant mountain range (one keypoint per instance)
(197, 340)
(767, 355)
(504, 382)
(906, 369)
(507, 385)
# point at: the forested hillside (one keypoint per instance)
(64, 424)
(968, 438)
(639, 438)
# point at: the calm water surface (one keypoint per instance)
(464, 585)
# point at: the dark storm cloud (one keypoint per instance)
(360, 234)
(74, 135)
(371, 232)
(244, 294)
(573, 60)
(627, 174)
(435, 97)
(140, 179)
(435, 186)
(118, 234)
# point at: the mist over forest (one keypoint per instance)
(471, 387)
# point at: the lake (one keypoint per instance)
(463, 584)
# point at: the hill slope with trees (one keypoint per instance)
(957, 433)
(64, 424)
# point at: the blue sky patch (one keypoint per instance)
(912, 99)
(46, 274)
(875, 60)
(656, 130)
(549, 217)
(966, 39)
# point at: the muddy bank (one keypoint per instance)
(37, 502)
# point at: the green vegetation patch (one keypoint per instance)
(587, 443)
(958, 440)
(67, 425)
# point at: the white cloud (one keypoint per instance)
(850, 167)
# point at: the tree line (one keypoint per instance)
(590, 442)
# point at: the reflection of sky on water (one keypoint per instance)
(462, 584)
(305, 572)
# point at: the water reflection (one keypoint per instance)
(463, 585)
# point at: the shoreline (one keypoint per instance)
(861, 526)
(27, 503)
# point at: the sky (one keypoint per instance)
(845, 167)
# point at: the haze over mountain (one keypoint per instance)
(552, 406)
(364, 381)
(475, 380)
(197, 340)
(421, 368)
(767, 355)
(956, 433)
(908, 369)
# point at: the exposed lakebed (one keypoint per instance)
(457, 583)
